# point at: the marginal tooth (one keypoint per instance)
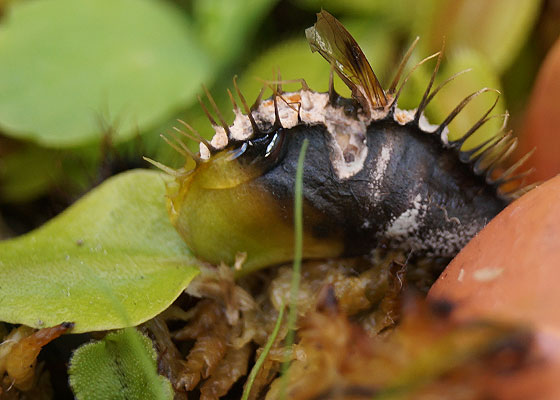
(393, 103)
(488, 156)
(277, 122)
(402, 64)
(504, 153)
(254, 125)
(258, 101)
(517, 193)
(279, 89)
(442, 85)
(163, 167)
(333, 95)
(233, 102)
(208, 115)
(462, 105)
(181, 148)
(510, 171)
(197, 137)
(484, 119)
(424, 102)
(519, 176)
(216, 109)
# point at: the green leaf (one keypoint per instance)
(496, 29)
(121, 366)
(226, 26)
(111, 260)
(67, 63)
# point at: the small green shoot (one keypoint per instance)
(120, 366)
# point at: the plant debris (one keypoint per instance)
(361, 333)
(21, 377)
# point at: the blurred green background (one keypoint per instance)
(87, 86)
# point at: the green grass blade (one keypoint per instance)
(263, 355)
(296, 273)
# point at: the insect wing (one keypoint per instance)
(337, 46)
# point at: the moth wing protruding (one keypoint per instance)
(337, 46)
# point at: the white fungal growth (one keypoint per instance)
(219, 141)
(448, 241)
(378, 173)
(409, 221)
(241, 128)
(425, 126)
(383, 161)
(404, 232)
(402, 117)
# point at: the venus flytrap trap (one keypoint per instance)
(377, 174)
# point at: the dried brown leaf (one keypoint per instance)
(233, 366)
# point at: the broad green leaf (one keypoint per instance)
(111, 260)
(66, 64)
(496, 29)
(121, 366)
(225, 27)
